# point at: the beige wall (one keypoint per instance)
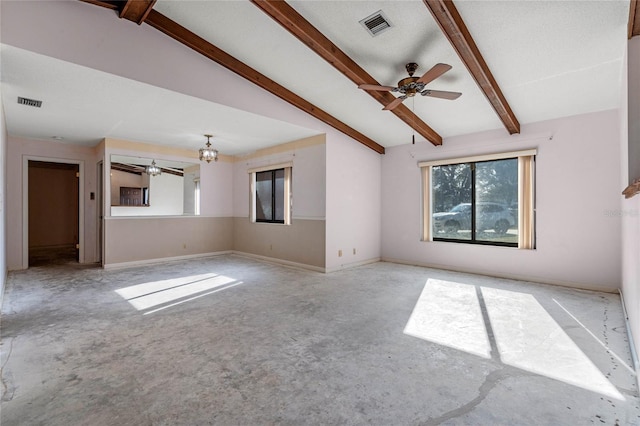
(301, 242)
(145, 239)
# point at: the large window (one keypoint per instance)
(480, 200)
(271, 195)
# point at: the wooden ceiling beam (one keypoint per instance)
(634, 18)
(454, 28)
(302, 29)
(136, 10)
(132, 10)
(108, 4)
(200, 45)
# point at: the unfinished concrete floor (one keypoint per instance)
(232, 341)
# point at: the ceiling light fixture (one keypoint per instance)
(207, 153)
(153, 170)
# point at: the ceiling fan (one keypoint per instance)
(410, 86)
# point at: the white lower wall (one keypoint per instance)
(353, 203)
(578, 196)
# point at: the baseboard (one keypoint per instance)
(353, 265)
(283, 262)
(135, 263)
(632, 345)
(573, 285)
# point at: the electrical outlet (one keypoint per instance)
(339, 253)
(184, 245)
(354, 251)
(270, 246)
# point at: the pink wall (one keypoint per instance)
(578, 192)
(353, 203)
(216, 194)
(633, 82)
(3, 201)
(308, 178)
(630, 209)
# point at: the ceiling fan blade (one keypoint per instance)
(433, 73)
(442, 94)
(394, 103)
(376, 87)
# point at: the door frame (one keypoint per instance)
(25, 204)
(100, 211)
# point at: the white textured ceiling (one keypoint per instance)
(84, 105)
(551, 59)
(558, 58)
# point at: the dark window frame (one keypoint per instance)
(473, 239)
(273, 196)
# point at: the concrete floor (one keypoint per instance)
(228, 340)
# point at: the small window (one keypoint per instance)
(196, 197)
(480, 200)
(271, 195)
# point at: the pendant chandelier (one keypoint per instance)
(207, 153)
(153, 170)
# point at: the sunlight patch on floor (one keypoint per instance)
(154, 293)
(524, 335)
(449, 314)
(528, 338)
(622, 362)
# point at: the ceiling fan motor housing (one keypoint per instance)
(409, 86)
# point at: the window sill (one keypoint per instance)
(462, 243)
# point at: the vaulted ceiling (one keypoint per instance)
(514, 62)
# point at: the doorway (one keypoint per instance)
(53, 216)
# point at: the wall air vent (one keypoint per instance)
(376, 23)
(29, 102)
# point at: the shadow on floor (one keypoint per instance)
(53, 256)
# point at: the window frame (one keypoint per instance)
(287, 197)
(196, 196)
(526, 197)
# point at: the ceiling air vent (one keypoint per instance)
(29, 102)
(376, 23)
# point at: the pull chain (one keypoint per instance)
(413, 108)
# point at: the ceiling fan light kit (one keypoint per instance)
(410, 86)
